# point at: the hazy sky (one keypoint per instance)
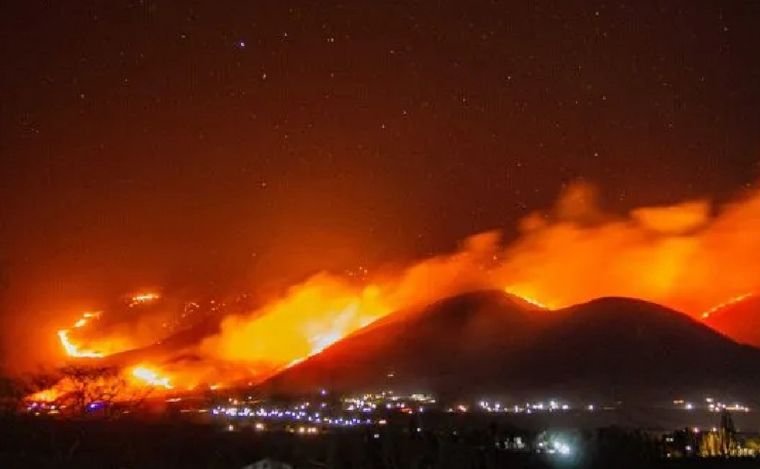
(223, 145)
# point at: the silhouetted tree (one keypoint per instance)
(90, 390)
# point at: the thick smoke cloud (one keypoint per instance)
(688, 256)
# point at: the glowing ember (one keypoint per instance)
(151, 377)
(729, 302)
(143, 298)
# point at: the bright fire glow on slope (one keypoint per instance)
(147, 375)
(326, 308)
(303, 323)
(516, 291)
(46, 395)
(102, 346)
(72, 349)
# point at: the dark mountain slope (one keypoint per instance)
(489, 342)
(452, 343)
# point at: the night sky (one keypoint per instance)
(226, 145)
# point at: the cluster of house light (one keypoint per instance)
(710, 404)
(388, 400)
(301, 413)
(319, 414)
(528, 407)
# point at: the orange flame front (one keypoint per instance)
(151, 377)
(72, 349)
(731, 301)
(518, 292)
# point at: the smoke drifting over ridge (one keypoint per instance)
(688, 256)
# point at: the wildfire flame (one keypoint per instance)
(570, 254)
(302, 324)
(729, 302)
(106, 346)
(146, 375)
(143, 298)
(73, 350)
(526, 298)
(46, 395)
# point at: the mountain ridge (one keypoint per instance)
(488, 341)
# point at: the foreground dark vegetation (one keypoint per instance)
(45, 443)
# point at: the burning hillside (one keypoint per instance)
(689, 257)
(78, 340)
